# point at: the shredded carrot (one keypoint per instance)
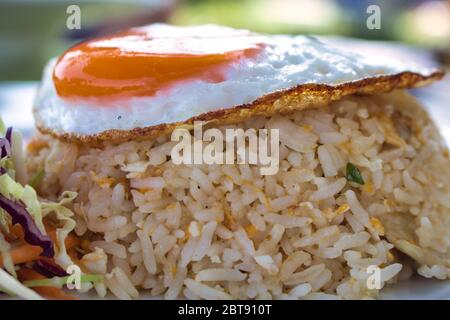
(13, 233)
(17, 231)
(71, 239)
(27, 253)
(26, 274)
(23, 253)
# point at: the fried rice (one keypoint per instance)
(227, 232)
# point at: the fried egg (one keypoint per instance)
(152, 78)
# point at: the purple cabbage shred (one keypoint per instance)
(5, 143)
(49, 269)
(33, 235)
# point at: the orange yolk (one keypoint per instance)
(137, 63)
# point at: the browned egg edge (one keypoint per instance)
(301, 97)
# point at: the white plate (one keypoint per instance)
(417, 288)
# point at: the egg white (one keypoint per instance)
(285, 62)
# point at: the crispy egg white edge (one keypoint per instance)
(287, 61)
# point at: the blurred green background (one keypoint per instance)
(32, 31)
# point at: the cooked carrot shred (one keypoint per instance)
(17, 231)
(27, 253)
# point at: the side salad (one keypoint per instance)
(37, 242)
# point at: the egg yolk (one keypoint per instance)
(139, 63)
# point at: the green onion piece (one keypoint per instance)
(59, 282)
(37, 178)
(353, 174)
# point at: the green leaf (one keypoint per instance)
(59, 282)
(353, 174)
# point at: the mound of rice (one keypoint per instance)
(226, 232)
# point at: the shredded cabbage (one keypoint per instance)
(32, 235)
(12, 189)
(64, 215)
(18, 158)
(48, 269)
(11, 286)
(22, 201)
(12, 158)
(7, 259)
